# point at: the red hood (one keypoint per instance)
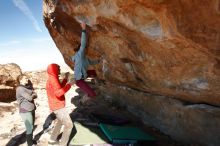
(53, 69)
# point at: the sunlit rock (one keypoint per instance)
(167, 47)
(160, 47)
(8, 81)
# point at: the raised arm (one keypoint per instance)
(64, 81)
(83, 38)
(59, 90)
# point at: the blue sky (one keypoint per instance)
(24, 39)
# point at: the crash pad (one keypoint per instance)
(85, 136)
(124, 134)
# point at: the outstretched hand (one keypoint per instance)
(66, 75)
(72, 82)
(83, 25)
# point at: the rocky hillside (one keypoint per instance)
(8, 81)
(162, 58)
(38, 78)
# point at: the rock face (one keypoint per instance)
(165, 47)
(197, 124)
(8, 81)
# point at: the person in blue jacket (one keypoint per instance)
(81, 63)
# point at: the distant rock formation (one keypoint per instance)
(38, 79)
(8, 81)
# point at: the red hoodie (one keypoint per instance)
(55, 89)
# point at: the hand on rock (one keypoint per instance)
(83, 25)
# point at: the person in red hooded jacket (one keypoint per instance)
(56, 99)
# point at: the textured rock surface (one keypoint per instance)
(165, 47)
(189, 123)
(169, 48)
(8, 81)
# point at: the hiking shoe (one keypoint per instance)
(53, 142)
(34, 143)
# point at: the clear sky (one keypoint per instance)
(24, 39)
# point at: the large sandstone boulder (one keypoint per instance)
(159, 46)
(196, 124)
(8, 81)
(169, 48)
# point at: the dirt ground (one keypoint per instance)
(12, 130)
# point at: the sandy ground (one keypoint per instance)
(12, 128)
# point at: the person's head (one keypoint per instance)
(53, 69)
(23, 79)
